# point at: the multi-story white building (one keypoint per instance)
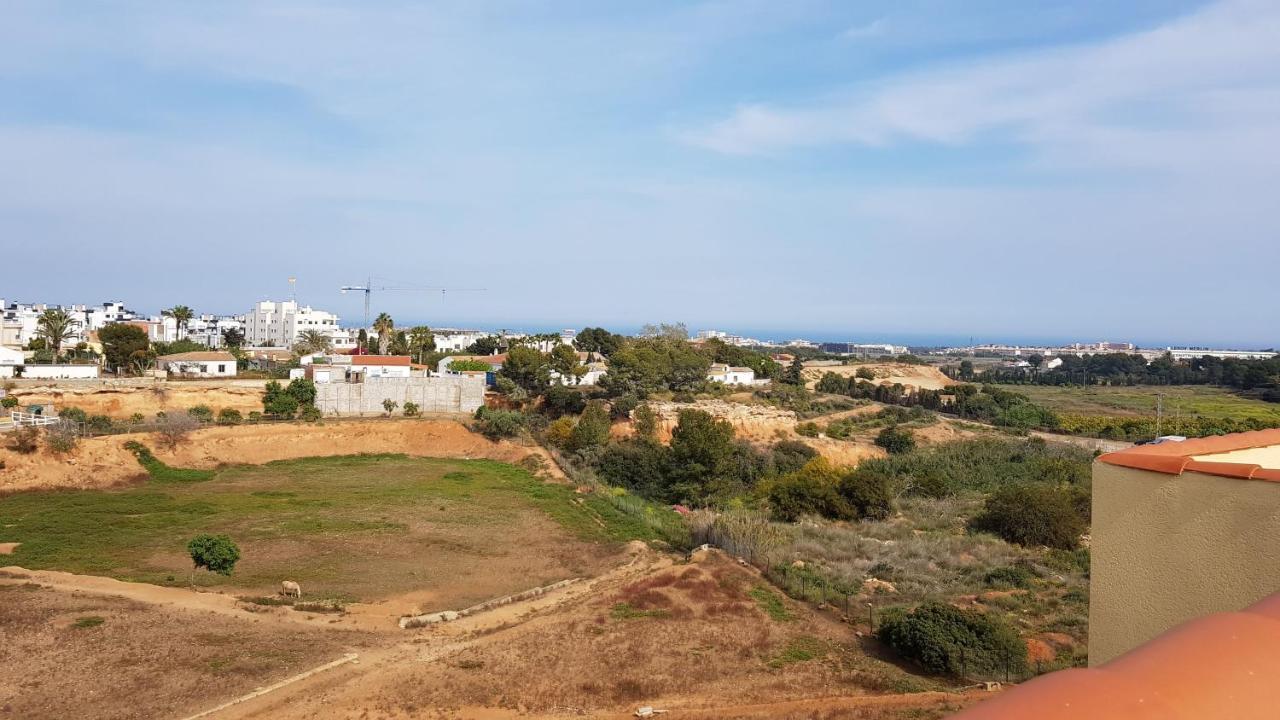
(19, 322)
(208, 329)
(278, 324)
(452, 340)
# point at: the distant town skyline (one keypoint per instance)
(1072, 169)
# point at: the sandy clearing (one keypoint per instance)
(103, 462)
(8, 548)
(921, 377)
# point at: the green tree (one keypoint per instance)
(121, 344)
(896, 440)
(564, 361)
(946, 639)
(233, 339)
(181, 315)
(592, 430)
(702, 451)
(422, 341)
(645, 421)
(384, 326)
(389, 405)
(795, 372)
(1033, 514)
(313, 341)
(55, 326)
(484, 346)
(215, 553)
(865, 373)
(528, 368)
(811, 490)
(598, 340)
(277, 402)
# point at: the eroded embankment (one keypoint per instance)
(121, 401)
(104, 462)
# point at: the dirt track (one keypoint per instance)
(103, 462)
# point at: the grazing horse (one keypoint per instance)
(290, 588)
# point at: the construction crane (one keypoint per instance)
(369, 288)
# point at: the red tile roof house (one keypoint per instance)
(1184, 618)
(399, 366)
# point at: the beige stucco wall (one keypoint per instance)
(1169, 548)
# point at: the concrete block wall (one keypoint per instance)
(451, 393)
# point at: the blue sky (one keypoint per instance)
(1058, 169)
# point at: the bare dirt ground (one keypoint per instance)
(923, 377)
(103, 462)
(73, 654)
(123, 402)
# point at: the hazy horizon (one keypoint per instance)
(1079, 170)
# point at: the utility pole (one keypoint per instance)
(1159, 412)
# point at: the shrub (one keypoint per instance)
(592, 430)
(946, 639)
(255, 416)
(808, 429)
(215, 553)
(277, 402)
(202, 413)
(646, 422)
(496, 424)
(622, 406)
(8, 402)
(896, 441)
(411, 409)
(173, 429)
(61, 438)
(137, 418)
(389, 405)
(229, 416)
(74, 414)
(1010, 576)
(1031, 515)
(560, 432)
(869, 493)
(811, 490)
(302, 390)
(791, 455)
(310, 413)
(24, 440)
(563, 400)
(640, 466)
(99, 423)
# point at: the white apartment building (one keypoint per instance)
(208, 329)
(19, 321)
(278, 324)
(452, 340)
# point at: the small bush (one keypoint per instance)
(202, 413)
(896, 441)
(559, 432)
(174, 429)
(24, 440)
(88, 621)
(808, 429)
(74, 414)
(61, 439)
(869, 493)
(1032, 515)
(310, 413)
(946, 639)
(255, 416)
(1010, 576)
(791, 455)
(215, 553)
(812, 490)
(645, 421)
(137, 418)
(8, 402)
(411, 409)
(229, 416)
(496, 424)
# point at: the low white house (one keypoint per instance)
(60, 372)
(390, 366)
(729, 375)
(9, 359)
(493, 361)
(198, 364)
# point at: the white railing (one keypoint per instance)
(18, 418)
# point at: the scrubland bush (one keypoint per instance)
(945, 639)
(411, 409)
(24, 440)
(202, 413)
(310, 413)
(869, 494)
(896, 441)
(74, 414)
(173, 429)
(1032, 515)
(61, 439)
(559, 432)
(811, 490)
(229, 416)
(791, 455)
(496, 424)
(8, 402)
(592, 429)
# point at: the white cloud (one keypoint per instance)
(1210, 74)
(872, 29)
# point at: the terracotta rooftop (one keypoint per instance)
(1218, 666)
(404, 360)
(199, 356)
(1176, 457)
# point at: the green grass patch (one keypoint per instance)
(800, 649)
(625, 611)
(88, 621)
(771, 603)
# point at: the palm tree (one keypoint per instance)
(313, 341)
(56, 326)
(384, 326)
(181, 314)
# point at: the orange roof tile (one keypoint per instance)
(1219, 666)
(1176, 457)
